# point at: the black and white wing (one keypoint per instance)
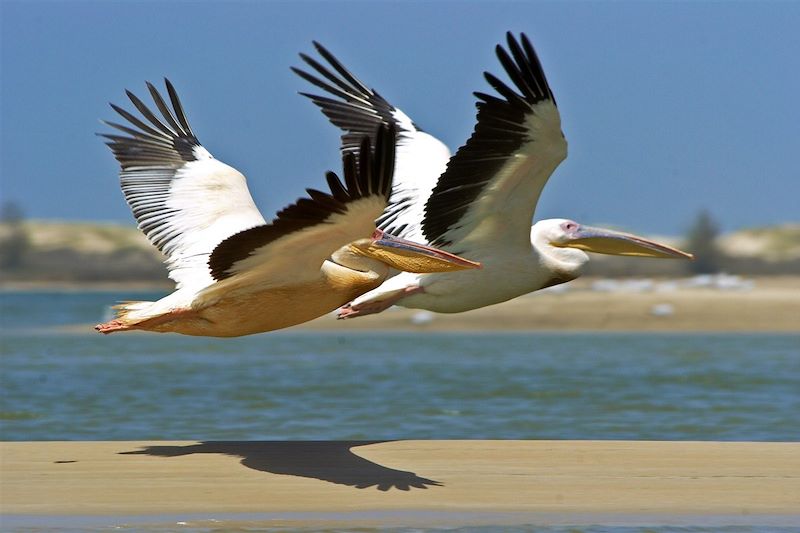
(293, 247)
(185, 201)
(488, 193)
(359, 111)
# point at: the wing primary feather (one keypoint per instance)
(379, 169)
(514, 73)
(138, 123)
(176, 105)
(536, 68)
(162, 106)
(350, 171)
(337, 65)
(137, 134)
(344, 95)
(337, 188)
(326, 200)
(512, 97)
(139, 141)
(364, 165)
(149, 115)
(488, 98)
(354, 107)
(386, 146)
(523, 64)
(345, 107)
(327, 74)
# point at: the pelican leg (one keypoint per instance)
(146, 324)
(111, 326)
(370, 307)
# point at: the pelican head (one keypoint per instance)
(566, 242)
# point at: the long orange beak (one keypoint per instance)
(410, 256)
(605, 241)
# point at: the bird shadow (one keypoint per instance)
(331, 461)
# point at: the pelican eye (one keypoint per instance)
(570, 226)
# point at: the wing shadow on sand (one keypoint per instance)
(331, 461)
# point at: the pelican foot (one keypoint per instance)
(371, 307)
(111, 327)
(353, 311)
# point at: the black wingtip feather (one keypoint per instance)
(365, 164)
(178, 107)
(350, 104)
(338, 190)
(149, 115)
(515, 72)
(165, 112)
(385, 147)
(338, 67)
(169, 142)
(504, 90)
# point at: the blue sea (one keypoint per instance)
(61, 382)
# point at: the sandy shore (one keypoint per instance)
(772, 305)
(403, 482)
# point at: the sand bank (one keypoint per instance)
(772, 305)
(404, 482)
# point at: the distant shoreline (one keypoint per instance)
(33, 251)
(85, 286)
(768, 304)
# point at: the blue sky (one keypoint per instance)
(669, 108)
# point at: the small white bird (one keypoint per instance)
(479, 202)
(235, 274)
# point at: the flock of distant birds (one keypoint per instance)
(408, 223)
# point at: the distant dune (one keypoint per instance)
(83, 237)
(52, 250)
(776, 243)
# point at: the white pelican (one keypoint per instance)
(479, 202)
(235, 274)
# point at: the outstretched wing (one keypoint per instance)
(293, 247)
(358, 111)
(489, 191)
(184, 200)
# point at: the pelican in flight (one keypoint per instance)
(479, 202)
(236, 274)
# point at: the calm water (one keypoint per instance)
(65, 386)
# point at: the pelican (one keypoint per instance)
(479, 202)
(234, 273)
